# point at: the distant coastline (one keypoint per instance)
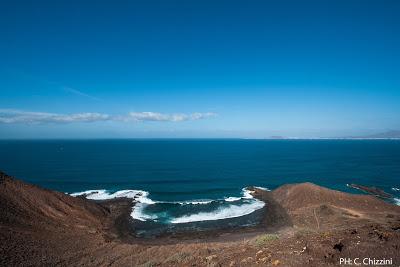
(326, 138)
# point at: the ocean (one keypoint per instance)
(199, 182)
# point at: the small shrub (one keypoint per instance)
(303, 232)
(149, 264)
(264, 239)
(178, 257)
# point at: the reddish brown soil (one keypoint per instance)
(307, 225)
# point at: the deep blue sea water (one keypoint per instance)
(173, 172)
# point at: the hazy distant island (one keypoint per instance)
(384, 135)
(394, 134)
(302, 225)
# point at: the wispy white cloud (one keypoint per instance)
(19, 116)
(153, 116)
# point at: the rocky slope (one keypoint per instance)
(304, 225)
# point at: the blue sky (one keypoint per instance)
(198, 68)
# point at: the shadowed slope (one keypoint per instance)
(39, 226)
(24, 204)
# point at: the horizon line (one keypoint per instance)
(194, 138)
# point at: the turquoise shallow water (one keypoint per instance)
(186, 180)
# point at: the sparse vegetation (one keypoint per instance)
(213, 264)
(264, 239)
(149, 264)
(303, 232)
(178, 257)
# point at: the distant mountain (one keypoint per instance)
(388, 135)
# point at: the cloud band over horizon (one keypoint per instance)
(10, 116)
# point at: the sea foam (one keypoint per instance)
(193, 202)
(103, 194)
(232, 199)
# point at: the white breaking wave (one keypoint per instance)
(103, 194)
(194, 202)
(395, 189)
(232, 199)
(138, 212)
(222, 213)
(91, 194)
(247, 194)
(397, 201)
